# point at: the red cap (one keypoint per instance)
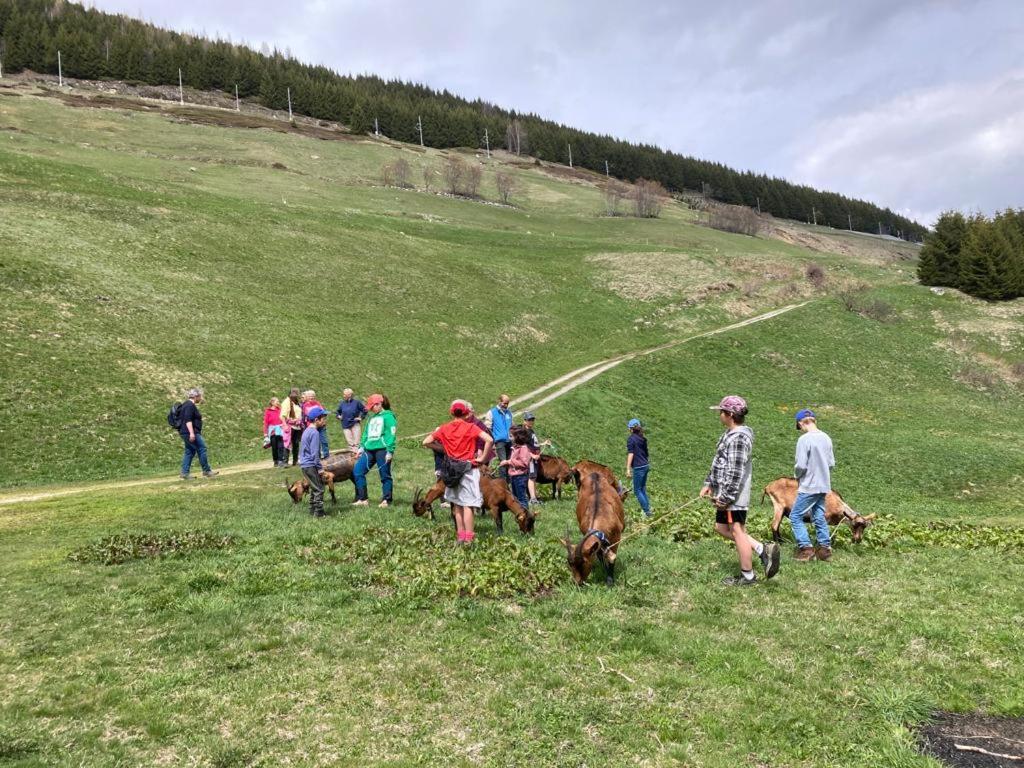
(373, 400)
(458, 408)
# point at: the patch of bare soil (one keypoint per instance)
(859, 246)
(572, 175)
(974, 741)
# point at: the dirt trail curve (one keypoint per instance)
(528, 402)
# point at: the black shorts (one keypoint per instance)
(730, 516)
(532, 472)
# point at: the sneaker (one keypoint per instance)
(361, 503)
(384, 504)
(446, 505)
(804, 555)
(739, 581)
(771, 557)
(211, 473)
(823, 553)
(185, 477)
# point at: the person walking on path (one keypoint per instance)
(377, 448)
(309, 402)
(351, 411)
(728, 487)
(191, 431)
(501, 423)
(291, 415)
(517, 466)
(461, 470)
(535, 448)
(310, 461)
(273, 432)
(814, 463)
(638, 463)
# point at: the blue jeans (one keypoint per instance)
(640, 488)
(520, 489)
(325, 449)
(191, 449)
(363, 466)
(815, 504)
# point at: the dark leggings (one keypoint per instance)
(296, 439)
(277, 451)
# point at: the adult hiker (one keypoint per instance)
(310, 461)
(273, 433)
(489, 453)
(309, 402)
(638, 463)
(291, 415)
(377, 448)
(535, 448)
(728, 487)
(191, 431)
(813, 470)
(460, 471)
(351, 411)
(500, 417)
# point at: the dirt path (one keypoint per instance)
(527, 402)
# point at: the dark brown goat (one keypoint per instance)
(497, 500)
(337, 469)
(554, 471)
(783, 492)
(601, 518)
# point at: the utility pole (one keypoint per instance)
(814, 214)
(849, 220)
(570, 155)
(487, 143)
(181, 91)
(106, 45)
(237, 107)
(289, 105)
(1, 69)
(376, 127)
(879, 228)
(758, 205)
(606, 174)
(419, 126)
(60, 72)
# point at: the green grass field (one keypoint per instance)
(346, 641)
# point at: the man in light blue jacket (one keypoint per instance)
(500, 418)
(814, 462)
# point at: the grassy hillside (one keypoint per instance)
(346, 641)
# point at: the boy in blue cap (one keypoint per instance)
(638, 463)
(814, 461)
(309, 458)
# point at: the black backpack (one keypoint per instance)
(452, 470)
(174, 416)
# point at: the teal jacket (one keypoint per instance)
(380, 431)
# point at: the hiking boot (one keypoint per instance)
(823, 553)
(771, 557)
(804, 555)
(210, 473)
(739, 581)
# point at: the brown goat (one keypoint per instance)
(584, 468)
(497, 500)
(337, 468)
(554, 471)
(783, 492)
(601, 518)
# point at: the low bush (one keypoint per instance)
(113, 550)
(858, 302)
(815, 274)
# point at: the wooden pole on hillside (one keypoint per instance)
(849, 220)
(487, 143)
(181, 90)
(879, 228)
(237, 106)
(376, 127)
(1, 70)
(419, 126)
(606, 174)
(570, 155)
(289, 105)
(60, 72)
(814, 214)
(758, 205)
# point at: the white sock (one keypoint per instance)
(748, 575)
(758, 548)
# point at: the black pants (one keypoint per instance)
(316, 490)
(503, 449)
(277, 451)
(296, 439)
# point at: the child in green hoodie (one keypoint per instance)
(378, 447)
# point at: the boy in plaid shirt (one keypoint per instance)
(728, 487)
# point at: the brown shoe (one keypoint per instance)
(823, 553)
(804, 555)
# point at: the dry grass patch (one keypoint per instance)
(655, 275)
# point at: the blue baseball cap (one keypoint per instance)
(633, 423)
(805, 413)
(315, 413)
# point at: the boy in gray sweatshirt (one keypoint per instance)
(814, 462)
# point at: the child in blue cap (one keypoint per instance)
(309, 458)
(638, 463)
(812, 469)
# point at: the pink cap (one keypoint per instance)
(731, 404)
(373, 400)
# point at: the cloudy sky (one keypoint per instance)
(914, 104)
